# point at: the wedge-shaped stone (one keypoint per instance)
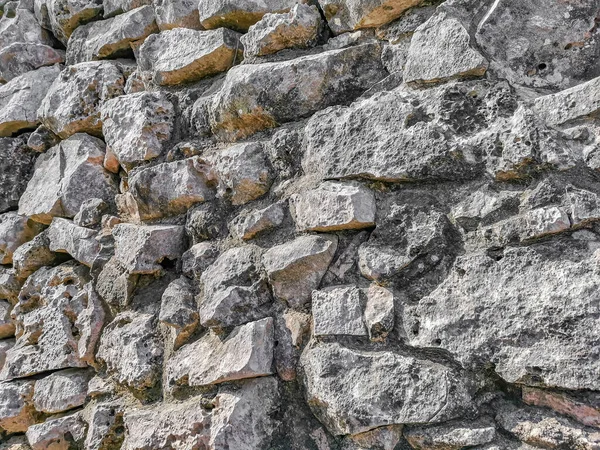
(131, 351)
(451, 436)
(247, 352)
(251, 223)
(111, 38)
(79, 242)
(369, 390)
(14, 176)
(21, 57)
(334, 206)
(140, 248)
(16, 407)
(172, 188)
(348, 15)
(64, 16)
(177, 14)
(65, 177)
(234, 289)
(15, 230)
(183, 55)
(136, 126)
(260, 96)
(73, 102)
(58, 318)
(338, 311)
(21, 97)
(61, 391)
(518, 314)
(10, 284)
(296, 268)
(58, 433)
(105, 424)
(298, 28)
(440, 50)
(20, 25)
(236, 14)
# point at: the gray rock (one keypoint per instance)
(170, 189)
(178, 310)
(111, 38)
(14, 176)
(522, 287)
(59, 433)
(379, 311)
(177, 14)
(58, 318)
(292, 331)
(338, 311)
(35, 254)
(65, 177)
(247, 352)
(136, 126)
(61, 391)
(10, 284)
(405, 25)
(452, 436)
(234, 289)
(243, 171)
(206, 221)
(115, 7)
(141, 248)
(64, 16)
(15, 230)
(16, 408)
(368, 390)
(183, 55)
(105, 425)
(7, 327)
(238, 15)
(90, 213)
(278, 92)
(20, 25)
(79, 242)
(386, 438)
(299, 28)
(483, 207)
(42, 139)
(296, 268)
(441, 50)
(5, 345)
(21, 97)
(198, 258)
(131, 350)
(15, 442)
(334, 206)
(248, 225)
(21, 57)
(72, 104)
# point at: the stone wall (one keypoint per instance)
(333, 225)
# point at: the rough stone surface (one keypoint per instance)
(15, 230)
(338, 311)
(64, 16)
(379, 311)
(177, 14)
(21, 57)
(14, 177)
(59, 433)
(79, 242)
(238, 15)
(451, 436)
(178, 309)
(116, 7)
(248, 225)
(16, 409)
(61, 391)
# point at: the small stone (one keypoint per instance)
(15, 442)
(16, 408)
(35, 254)
(15, 230)
(21, 57)
(141, 248)
(453, 436)
(247, 352)
(79, 242)
(20, 25)
(585, 206)
(236, 14)
(91, 212)
(105, 425)
(10, 284)
(177, 14)
(298, 28)
(198, 258)
(21, 97)
(14, 176)
(72, 104)
(483, 207)
(338, 311)
(585, 412)
(182, 55)
(61, 391)
(7, 327)
(206, 221)
(64, 16)
(116, 7)
(334, 206)
(60, 433)
(405, 25)
(248, 225)
(292, 328)
(42, 139)
(136, 126)
(5, 346)
(111, 38)
(65, 177)
(385, 438)
(178, 310)
(379, 311)
(296, 268)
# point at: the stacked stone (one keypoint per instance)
(333, 225)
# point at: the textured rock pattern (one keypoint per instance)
(282, 225)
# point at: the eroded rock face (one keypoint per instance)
(238, 15)
(455, 435)
(21, 57)
(57, 433)
(15, 230)
(64, 16)
(177, 14)
(14, 178)
(61, 391)
(16, 408)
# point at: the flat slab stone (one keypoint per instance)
(79, 242)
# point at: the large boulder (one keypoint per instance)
(64, 16)
(65, 177)
(260, 96)
(236, 14)
(14, 176)
(21, 57)
(72, 104)
(21, 97)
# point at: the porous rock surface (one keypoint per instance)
(282, 225)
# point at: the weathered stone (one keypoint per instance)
(58, 320)
(584, 206)
(243, 171)
(177, 14)
(247, 352)
(7, 327)
(198, 258)
(568, 404)
(260, 96)
(369, 390)
(16, 442)
(61, 391)
(20, 25)
(178, 310)
(483, 207)
(42, 139)
(238, 15)
(14, 176)
(405, 25)
(183, 55)
(15, 230)
(298, 28)
(65, 177)
(452, 436)
(247, 225)
(111, 38)
(10, 284)
(338, 311)
(64, 16)
(206, 221)
(334, 206)
(136, 126)
(21, 57)
(72, 104)
(105, 425)
(379, 311)
(115, 7)
(440, 50)
(131, 351)
(91, 212)
(21, 97)
(234, 289)
(292, 330)
(170, 189)
(35, 254)
(296, 268)
(5, 345)
(385, 438)
(58, 434)
(550, 339)
(16, 408)
(141, 249)
(79, 242)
